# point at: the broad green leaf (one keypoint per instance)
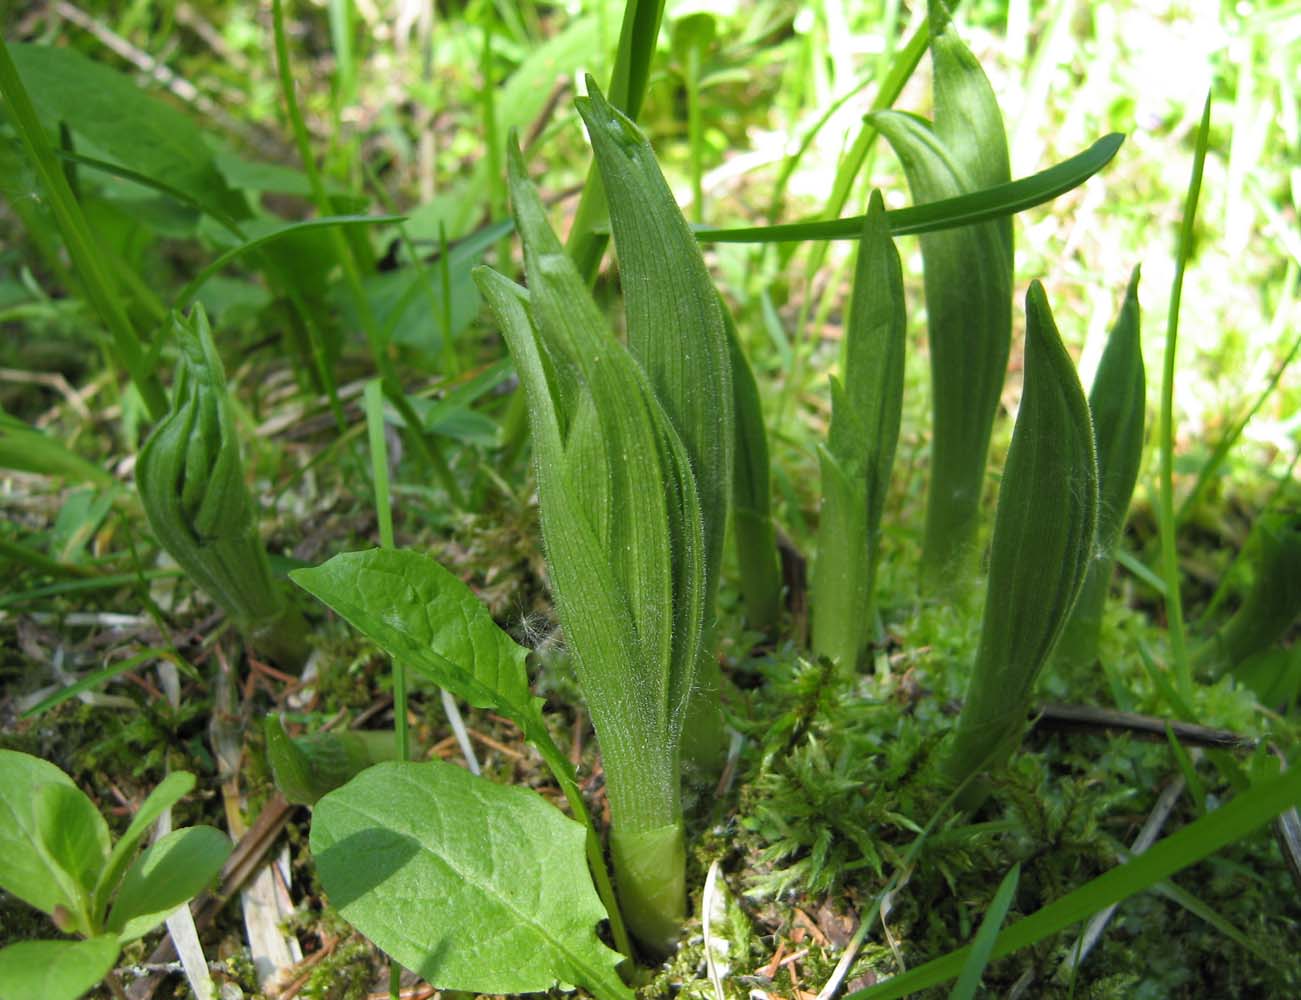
(1043, 538)
(109, 110)
(983, 943)
(75, 837)
(98, 281)
(423, 616)
(170, 872)
(1202, 838)
(55, 970)
(29, 450)
(168, 792)
(29, 871)
(471, 885)
(1118, 407)
(858, 459)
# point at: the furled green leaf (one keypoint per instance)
(170, 872)
(1043, 538)
(30, 871)
(674, 316)
(839, 592)
(968, 281)
(307, 767)
(192, 485)
(168, 792)
(676, 332)
(55, 970)
(109, 110)
(471, 885)
(1117, 403)
(622, 525)
(858, 458)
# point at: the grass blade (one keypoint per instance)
(983, 943)
(96, 282)
(1166, 506)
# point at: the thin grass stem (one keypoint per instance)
(1169, 554)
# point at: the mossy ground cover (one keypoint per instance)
(821, 800)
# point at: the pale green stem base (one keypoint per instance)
(650, 877)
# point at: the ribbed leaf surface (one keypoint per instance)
(1043, 537)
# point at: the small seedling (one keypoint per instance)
(60, 858)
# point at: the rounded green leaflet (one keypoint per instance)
(36, 870)
(55, 970)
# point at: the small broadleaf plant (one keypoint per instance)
(59, 857)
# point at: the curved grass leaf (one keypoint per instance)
(490, 880)
(983, 943)
(994, 202)
(1230, 822)
(191, 289)
(30, 450)
(55, 970)
(1043, 537)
